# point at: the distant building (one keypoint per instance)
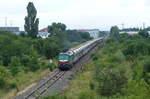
(10, 29)
(132, 32)
(43, 33)
(93, 32)
(44, 30)
(129, 32)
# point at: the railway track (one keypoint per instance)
(43, 87)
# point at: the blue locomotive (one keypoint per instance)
(69, 58)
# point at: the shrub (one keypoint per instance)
(15, 65)
(33, 64)
(137, 90)
(117, 57)
(146, 70)
(92, 85)
(111, 80)
(135, 48)
(137, 70)
(95, 57)
(4, 75)
(144, 33)
(85, 95)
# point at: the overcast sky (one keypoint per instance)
(79, 14)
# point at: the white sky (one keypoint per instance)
(78, 14)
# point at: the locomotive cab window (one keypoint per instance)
(63, 57)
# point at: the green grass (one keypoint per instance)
(23, 80)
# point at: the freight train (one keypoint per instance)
(68, 59)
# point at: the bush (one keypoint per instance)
(117, 57)
(85, 95)
(94, 57)
(135, 48)
(4, 75)
(146, 70)
(144, 33)
(111, 79)
(33, 64)
(137, 70)
(15, 65)
(137, 90)
(92, 85)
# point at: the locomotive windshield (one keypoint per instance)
(63, 57)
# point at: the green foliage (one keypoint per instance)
(137, 70)
(51, 48)
(144, 33)
(17, 52)
(55, 27)
(31, 22)
(137, 90)
(25, 60)
(111, 80)
(119, 56)
(75, 36)
(15, 65)
(33, 64)
(103, 33)
(57, 30)
(118, 71)
(85, 95)
(12, 45)
(125, 37)
(57, 39)
(114, 33)
(113, 71)
(21, 55)
(61, 39)
(146, 65)
(92, 85)
(135, 48)
(55, 96)
(4, 75)
(146, 70)
(85, 35)
(23, 34)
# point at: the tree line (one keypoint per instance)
(114, 33)
(23, 53)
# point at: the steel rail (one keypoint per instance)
(47, 84)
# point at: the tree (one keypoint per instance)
(114, 33)
(144, 33)
(31, 22)
(56, 28)
(58, 33)
(85, 35)
(73, 36)
(33, 63)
